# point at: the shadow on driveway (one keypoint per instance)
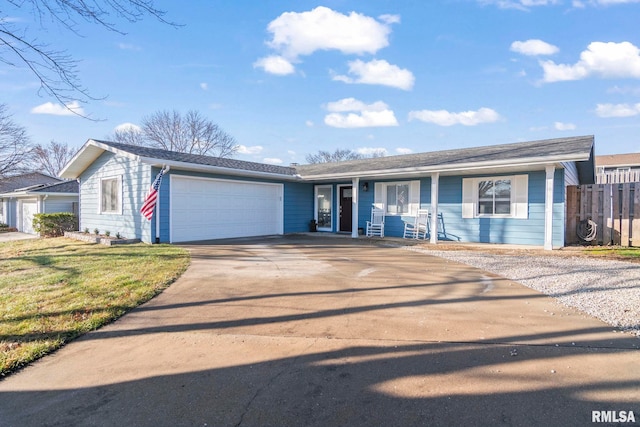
(322, 332)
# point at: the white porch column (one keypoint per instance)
(548, 208)
(355, 184)
(435, 185)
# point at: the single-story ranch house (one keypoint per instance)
(510, 193)
(23, 196)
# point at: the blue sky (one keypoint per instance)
(289, 78)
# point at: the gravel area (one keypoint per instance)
(606, 289)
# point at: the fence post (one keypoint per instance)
(635, 225)
(607, 220)
(624, 220)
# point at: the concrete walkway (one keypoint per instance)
(16, 235)
(301, 331)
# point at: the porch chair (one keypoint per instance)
(419, 228)
(375, 227)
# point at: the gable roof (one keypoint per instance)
(158, 157)
(25, 181)
(65, 187)
(613, 160)
(493, 157)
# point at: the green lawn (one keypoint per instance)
(53, 290)
(627, 254)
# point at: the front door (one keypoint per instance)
(346, 208)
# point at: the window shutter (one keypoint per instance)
(520, 204)
(380, 195)
(468, 205)
(414, 197)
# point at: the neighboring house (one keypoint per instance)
(23, 196)
(510, 193)
(618, 168)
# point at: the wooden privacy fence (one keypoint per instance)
(603, 214)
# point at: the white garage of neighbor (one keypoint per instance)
(28, 208)
(206, 208)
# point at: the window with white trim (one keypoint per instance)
(397, 198)
(111, 195)
(495, 197)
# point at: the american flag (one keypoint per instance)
(150, 201)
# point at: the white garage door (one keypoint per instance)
(204, 209)
(29, 209)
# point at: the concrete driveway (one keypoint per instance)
(302, 331)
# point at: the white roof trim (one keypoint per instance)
(461, 167)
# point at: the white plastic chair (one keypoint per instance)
(375, 227)
(419, 228)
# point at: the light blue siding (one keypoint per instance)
(298, 207)
(528, 231)
(54, 204)
(136, 179)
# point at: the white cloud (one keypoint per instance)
(390, 19)
(272, 160)
(625, 90)
(71, 109)
(352, 104)
(519, 4)
(204, 86)
(361, 120)
(617, 110)
(378, 72)
(607, 60)
(465, 118)
(309, 123)
(128, 46)
(243, 149)
(401, 150)
(534, 47)
(275, 65)
(369, 151)
(127, 127)
(296, 34)
(359, 114)
(564, 126)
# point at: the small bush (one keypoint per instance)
(3, 225)
(96, 231)
(86, 230)
(107, 233)
(54, 224)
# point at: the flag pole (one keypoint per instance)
(165, 169)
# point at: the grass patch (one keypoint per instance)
(53, 290)
(620, 253)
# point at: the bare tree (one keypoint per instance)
(339, 155)
(191, 133)
(15, 146)
(51, 158)
(131, 135)
(55, 69)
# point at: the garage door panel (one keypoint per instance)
(217, 209)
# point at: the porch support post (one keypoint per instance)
(355, 184)
(435, 185)
(548, 208)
